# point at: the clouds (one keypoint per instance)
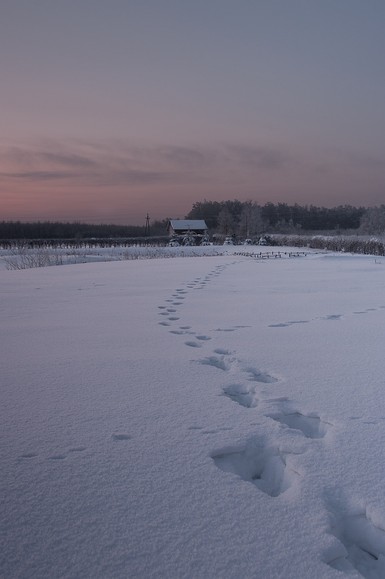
(66, 160)
(97, 166)
(38, 176)
(119, 180)
(117, 177)
(258, 157)
(119, 163)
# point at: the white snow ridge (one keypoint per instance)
(210, 417)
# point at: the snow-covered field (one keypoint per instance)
(210, 417)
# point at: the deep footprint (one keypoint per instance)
(214, 361)
(258, 376)
(363, 546)
(29, 455)
(121, 436)
(222, 351)
(193, 344)
(225, 330)
(265, 467)
(243, 395)
(310, 426)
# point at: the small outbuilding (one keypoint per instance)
(187, 227)
(187, 231)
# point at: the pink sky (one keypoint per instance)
(112, 110)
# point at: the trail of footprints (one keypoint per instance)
(73, 450)
(330, 317)
(256, 461)
(360, 544)
(169, 315)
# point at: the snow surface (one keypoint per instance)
(209, 417)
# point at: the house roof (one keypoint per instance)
(187, 224)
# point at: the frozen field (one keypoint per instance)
(210, 417)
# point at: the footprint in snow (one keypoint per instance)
(220, 429)
(121, 436)
(287, 324)
(214, 361)
(333, 317)
(310, 426)
(216, 430)
(181, 332)
(222, 351)
(225, 330)
(243, 394)
(193, 344)
(263, 466)
(360, 547)
(258, 376)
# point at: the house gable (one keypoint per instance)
(182, 226)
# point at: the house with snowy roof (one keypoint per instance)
(187, 227)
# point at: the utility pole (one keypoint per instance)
(147, 227)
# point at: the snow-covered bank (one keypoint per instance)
(204, 417)
(21, 257)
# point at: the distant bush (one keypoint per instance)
(347, 244)
(21, 257)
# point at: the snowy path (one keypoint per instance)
(201, 417)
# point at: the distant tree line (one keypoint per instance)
(340, 243)
(247, 219)
(57, 230)
(242, 219)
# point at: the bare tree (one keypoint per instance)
(226, 223)
(373, 220)
(21, 257)
(251, 222)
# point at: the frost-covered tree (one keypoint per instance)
(226, 223)
(251, 222)
(373, 220)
